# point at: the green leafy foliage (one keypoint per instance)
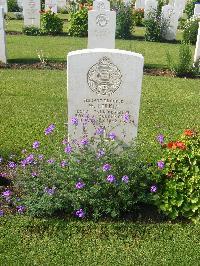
(138, 16)
(184, 67)
(13, 6)
(101, 177)
(79, 23)
(189, 8)
(51, 24)
(31, 30)
(156, 26)
(125, 20)
(177, 177)
(190, 30)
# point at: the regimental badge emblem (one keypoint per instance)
(104, 78)
(102, 20)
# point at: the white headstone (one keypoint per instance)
(101, 26)
(150, 6)
(31, 11)
(179, 6)
(105, 84)
(3, 3)
(140, 4)
(197, 50)
(20, 3)
(197, 10)
(61, 3)
(3, 57)
(172, 17)
(51, 5)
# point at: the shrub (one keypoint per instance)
(184, 66)
(189, 8)
(138, 16)
(190, 30)
(79, 22)
(31, 30)
(175, 178)
(87, 177)
(124, 20)
(156, 26)
(51, 24)
(18, 15)
(13, 6)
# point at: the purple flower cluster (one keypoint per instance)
(1, 159)
(68, 149)
(160, 138)
(100, 131)
(160, 164)
(126, 117)
(28, 160)
(36, 145)
(111, 178)
(49, 129)
(1, 213)
(100, 153)
(80, 185)
(50, 191)
(12, 165)
(153, 189)
(63, 163)
(34, 174)
(106, 167)
(6, 194)
(21, 209)
(112, 136)
(74, 121)
(84, 142)
(125, 179)
(51, 161)
(80, 213)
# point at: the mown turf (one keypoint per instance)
(25, 49)
(30, 100)
(26, 241)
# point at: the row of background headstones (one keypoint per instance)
(32, 17)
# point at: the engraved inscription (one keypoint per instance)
(102, 20)
(104, 78)
(100, 6)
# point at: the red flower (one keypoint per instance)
(188, 132)
(180, 145)
(170, 174)
(171, 145)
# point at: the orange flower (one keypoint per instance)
(180, 145)
(81, 6)
(171, 145)
(188, 132)
(90, 7)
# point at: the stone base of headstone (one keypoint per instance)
(104, 84)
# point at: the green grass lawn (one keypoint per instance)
(26, 241)
(30, 100)
(25, 49)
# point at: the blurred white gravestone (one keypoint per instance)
(51, 5)
(197, 50)
(179, 6)
(197, 10)
(61, 3)
(101, 25)
(140, 4)
(20, 3)
(150, 6)
(104, 84)
(171, 16)
(3, 3)
(31, 11)
(3, 57)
